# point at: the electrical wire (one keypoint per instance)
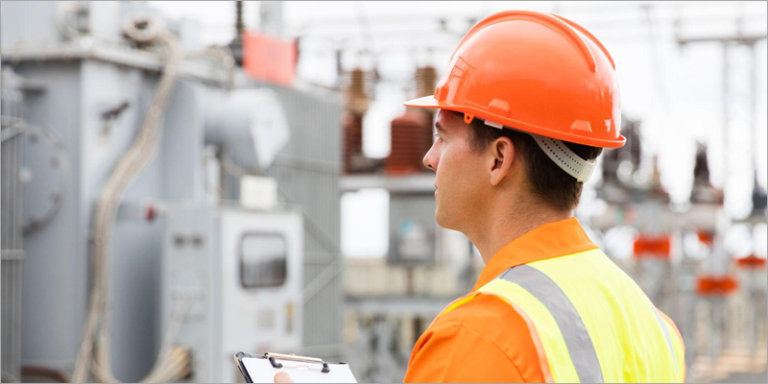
(95, 349)
(224, 56)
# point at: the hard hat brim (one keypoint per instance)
(429, 102)
(424, 102)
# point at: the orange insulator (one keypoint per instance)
(652, 246)
(706, 237)
(751, 262)
(716, 285)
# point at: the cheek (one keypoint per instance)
(459, 172)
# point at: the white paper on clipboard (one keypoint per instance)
(261, 370)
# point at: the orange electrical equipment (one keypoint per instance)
(706, 237)
(751, 262)
(535, 72)
(714, 285)
(269, 58)
(654, 247)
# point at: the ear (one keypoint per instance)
(502, 153)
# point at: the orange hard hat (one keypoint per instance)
(534, 72)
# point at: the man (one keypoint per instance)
(527, 103)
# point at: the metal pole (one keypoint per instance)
(725, 111)
(271, 17)
(753, 106)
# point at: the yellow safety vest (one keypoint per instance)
(590, 322)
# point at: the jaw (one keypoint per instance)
(445, 219)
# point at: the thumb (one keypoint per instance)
(282, 377)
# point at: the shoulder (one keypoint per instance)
(489, 318)
(484, 331)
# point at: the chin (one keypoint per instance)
(443, 221)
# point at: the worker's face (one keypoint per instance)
(460, 182)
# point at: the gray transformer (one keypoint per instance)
(232, 282)
(96, 92)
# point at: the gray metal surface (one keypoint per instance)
(32, 34)
(223, 316)
(57, 274)
(12, 238)
(18, 30)
(412, 229)
(78, 93)
(418, 183)
(84, 82)
(307, 172)
(426, 306)
(51, 281)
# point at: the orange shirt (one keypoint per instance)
(486, 340)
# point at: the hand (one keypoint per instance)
(282, 377)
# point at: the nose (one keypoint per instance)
(430, 159)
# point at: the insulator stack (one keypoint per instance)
(703, 192)
(358, 91)
(426, 81)
(411, 139)
(357, 98)
(353, 140)
(631, 152)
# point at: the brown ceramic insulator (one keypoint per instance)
(426, 81)
(411, 136)
(353, 139)
(357, 95)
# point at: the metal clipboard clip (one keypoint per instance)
(273, 357)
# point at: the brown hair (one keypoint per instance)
(547, 181)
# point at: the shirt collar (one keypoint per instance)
(559, 238)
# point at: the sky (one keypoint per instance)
(676, 92)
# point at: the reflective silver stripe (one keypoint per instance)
(574, 331)
(664, 327)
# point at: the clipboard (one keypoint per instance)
(262, 368)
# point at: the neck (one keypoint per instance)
(499, 227)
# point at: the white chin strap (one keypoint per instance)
(563, 156)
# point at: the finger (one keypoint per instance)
(282, 377)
